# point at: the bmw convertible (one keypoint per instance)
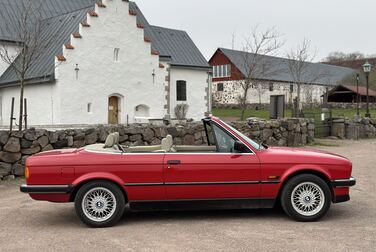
(230, 172)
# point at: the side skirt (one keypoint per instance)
(201, 204)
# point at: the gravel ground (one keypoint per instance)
(41, 226)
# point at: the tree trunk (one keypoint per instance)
(299, 107)
(20, 119)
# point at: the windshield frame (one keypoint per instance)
(254, 144)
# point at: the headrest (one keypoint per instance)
(170, 140)
(112, 140)
(167, 143)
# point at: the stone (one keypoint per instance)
(161, 132)
(53, 137)
(31, 150)
(5, 169)
(9, 157)
(18, 170)
(18, 134)
(91, 138)
(123, 139)
(30, 134)
(13, 145)
(338, 130)
(70, 141)
(103, 134)
(48, 148)
(23, 160)
(148, 134)
(80, 136)
(78, 144)
(189, 140)
(43, 141)
(25, 143)
(266, 134)
(173, 132)
(4, 136)
(135, 138)
(198, 135)
(60, 144)
(9, 178)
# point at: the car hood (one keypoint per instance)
(305, 154)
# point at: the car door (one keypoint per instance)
(219, 175)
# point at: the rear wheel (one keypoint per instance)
(100, 204)
(306, 198)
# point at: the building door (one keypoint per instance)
(113, 110)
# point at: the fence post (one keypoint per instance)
(25, 115)
(11, 115)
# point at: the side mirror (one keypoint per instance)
(239, 147)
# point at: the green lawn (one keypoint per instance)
(236, 113)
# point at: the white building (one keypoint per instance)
(230, 69)
(109, 66)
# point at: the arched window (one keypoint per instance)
(181, 90)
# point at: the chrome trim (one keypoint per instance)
(204, 183)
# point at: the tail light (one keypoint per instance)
(27, 172)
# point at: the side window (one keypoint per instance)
(224, 140)
(181, 90)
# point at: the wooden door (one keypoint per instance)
(113, 110)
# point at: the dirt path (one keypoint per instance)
(41, 226)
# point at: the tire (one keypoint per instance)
(99, 204)
(306, 198)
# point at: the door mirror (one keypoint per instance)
(239, 147)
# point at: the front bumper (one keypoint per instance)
(344, 182)
(46, 189)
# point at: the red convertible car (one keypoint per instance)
(231, 172)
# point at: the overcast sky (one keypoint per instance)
(330, 25)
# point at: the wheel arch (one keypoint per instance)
(78, 183)
(312, 171)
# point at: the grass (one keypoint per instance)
(236, 113)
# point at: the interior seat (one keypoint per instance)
(112, 141)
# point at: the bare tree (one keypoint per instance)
(299, 62)
(28, 44)
(257, 67)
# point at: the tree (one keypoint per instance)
(29, 42)
(299, 60)
(335, 57)
(256, 65)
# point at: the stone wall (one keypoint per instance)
(15, 147)
(363, 128)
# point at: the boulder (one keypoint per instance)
(148, 134)
(30, 134)
(18, 170)
(70, 141)
(4, 136)
(60, 144)
(173, 132)
(91, 138)
(78, 144)
(135, 138)
(9, 157)
(43, 141)
(18, 134)
(189, 140)
(13, 145)
(25, 143)
(5, 169)
(48, 148)
(31, 150)
(53, 137)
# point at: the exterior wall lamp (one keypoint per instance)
(367, 69)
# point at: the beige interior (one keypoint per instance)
(167, 145)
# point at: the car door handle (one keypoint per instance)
(173, 162)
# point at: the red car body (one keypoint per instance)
(253, 179)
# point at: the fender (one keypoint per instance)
(304, 167)
(99, 176)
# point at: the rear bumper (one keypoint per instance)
(44, 189)
(344, 182)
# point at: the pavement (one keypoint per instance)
(41, 226)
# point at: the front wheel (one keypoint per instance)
(99, 204)
(306, 198)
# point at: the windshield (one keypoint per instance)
(247, 139)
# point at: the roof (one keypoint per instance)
(65, 16)
(279, 69)
(362, 90)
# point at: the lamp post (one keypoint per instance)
(367, 69)
(357, 95)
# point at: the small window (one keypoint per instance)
(221, 71)
(271, 87)
(116, 54)
(291, 88)
(89, 107)
(220, 87)
(181, 90)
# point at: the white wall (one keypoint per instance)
(232, 90)
(196, 91)
(39, 104)
(12, 50)
(100, 76)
